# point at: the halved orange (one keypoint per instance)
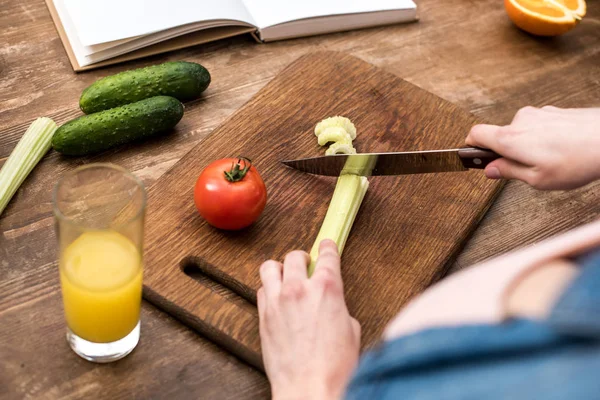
(545, 17)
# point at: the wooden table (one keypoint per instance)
(467, 52)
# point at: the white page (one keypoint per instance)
(101, 21)
(76, 46)
(83, 54)
(272, 12)
(87, 55)
(95, 48)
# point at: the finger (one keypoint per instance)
(527, 113)
(260, 300)
(263, 323)
(329, 259)
(485, 136)
(295, 266)
(503, 168)
(270, 276)
(553, 109)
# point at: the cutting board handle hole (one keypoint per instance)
(209, 276)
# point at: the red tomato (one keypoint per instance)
(230, 194)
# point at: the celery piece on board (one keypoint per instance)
(28, 152)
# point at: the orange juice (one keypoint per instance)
(101, 279)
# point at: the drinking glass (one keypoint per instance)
(99, 211)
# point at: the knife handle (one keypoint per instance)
(473, 157)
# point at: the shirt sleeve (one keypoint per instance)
(577, 311)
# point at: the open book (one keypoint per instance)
(102, 32)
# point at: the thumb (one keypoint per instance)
(504, 168)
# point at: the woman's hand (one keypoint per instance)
(548, 147)
(310, 343)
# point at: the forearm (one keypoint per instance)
(513, 284)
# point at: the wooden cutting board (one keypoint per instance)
(408, 229)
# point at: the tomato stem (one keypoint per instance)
(238, 171)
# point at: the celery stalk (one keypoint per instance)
(31, 148)
(350, 188)
(347, 197)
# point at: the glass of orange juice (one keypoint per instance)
(99, 211)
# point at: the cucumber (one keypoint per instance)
(101, 131)
(180, 79)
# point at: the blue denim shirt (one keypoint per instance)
(558, 358)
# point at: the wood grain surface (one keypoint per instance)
(464, 51)
(407, 230)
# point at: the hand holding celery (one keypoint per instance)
(349, 190)
(28, 152)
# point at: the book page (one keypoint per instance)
(272, 12)
(101, 21)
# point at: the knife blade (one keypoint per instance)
(398, 163)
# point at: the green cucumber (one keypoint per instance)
(180, 79)
(101, 131)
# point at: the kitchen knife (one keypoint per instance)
(403, 163)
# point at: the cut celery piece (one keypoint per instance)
(341, 122)
(340, 148)
(28, 152)
(334, 134)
